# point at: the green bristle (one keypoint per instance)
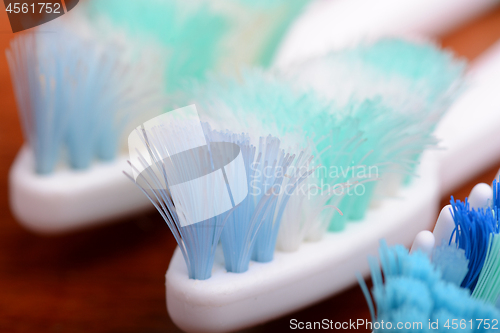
(258, 97)
(190, 33)
(203, 35)
(488, 285)
(408, 76)
(265, 104)
(378, 113)
(398, 90)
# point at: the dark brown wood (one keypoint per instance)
(111, 279)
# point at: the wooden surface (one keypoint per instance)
(112, 279)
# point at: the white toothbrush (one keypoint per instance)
(336, 24)
(469, 131)
(229, 301)
(68, 200)
(58, 207)
(73, 107)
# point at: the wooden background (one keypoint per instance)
(111, 279)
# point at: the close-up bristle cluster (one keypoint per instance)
(76, 97)
(409, 289)
(199, 36)
(456, 280)
(240, 160)
(357, 139)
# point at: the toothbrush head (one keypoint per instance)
(412, 290)
(472, 234)
(197, 37)
(74, 96)
(488, 285)
(210, 185)
(193, 184)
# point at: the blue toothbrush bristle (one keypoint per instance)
(74, 97)
(472, 232)
(197, 241)
(408, 288)
(36, 76)
(452, 263)
(251, 228)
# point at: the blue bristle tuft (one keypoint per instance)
(36, 76)
(238, 235)
(413, 291)
(287, 172)
(496, 200)
(74, 96)
(239, 229)
(272, 175)
(472, 232)
(452, 263)
(197, 241)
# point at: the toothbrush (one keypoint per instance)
(72, 192)
(455, 269)
(74, 99)
(227, 301)
(344, 23)
(420, 20)
(81, 207)
(253, 175)
(472, 227)
(414, 293)
(481, 131)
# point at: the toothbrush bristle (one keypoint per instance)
(472, 233)
(413, 291)
(197, 240)
(74, 96)
(452, 263)
(488, 285)
(362, 139)
(251, 228)
(199, 36)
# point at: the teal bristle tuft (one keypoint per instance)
(199, 36)
(423, 64)
(411, 77)
(357, 136)
(418, 81)
(185, 31)
(488, 285)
